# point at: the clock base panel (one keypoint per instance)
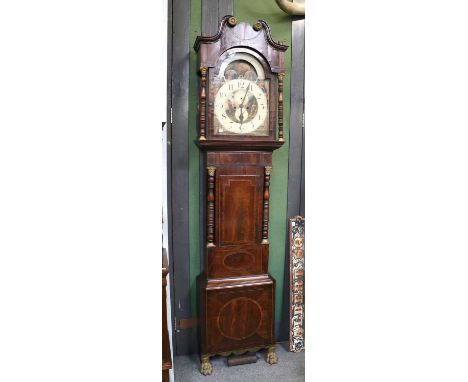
(236, 314)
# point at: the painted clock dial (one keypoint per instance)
(241, 96)
(241, 106)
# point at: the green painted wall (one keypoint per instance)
(194, 155)
(248, 11)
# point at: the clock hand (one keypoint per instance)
(243, 99)
(241, 106)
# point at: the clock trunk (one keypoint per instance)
(236, 292)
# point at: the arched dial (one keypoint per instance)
(241, 106)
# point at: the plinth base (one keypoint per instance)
(207, 367)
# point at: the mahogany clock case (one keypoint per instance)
(236, 293)
(236, 314)
(213, 51)
(239, 214)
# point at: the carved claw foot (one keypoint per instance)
(271, 357)
(206, 368)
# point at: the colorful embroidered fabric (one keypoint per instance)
(297, 301)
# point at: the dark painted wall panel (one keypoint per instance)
(169, 153)
(226, 7)
(179, 171)
(297, 109)
(210, 18)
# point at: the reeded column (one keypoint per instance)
(202, 112)
(266, 204)
(210, 207)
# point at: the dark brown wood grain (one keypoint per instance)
(237, 260)
(236, 314)
(240, 145)
(239, 159)
(242, 34)
(238, 204)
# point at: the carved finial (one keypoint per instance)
(268, 170)
(257, 26)
(211, 170)
(232, 21)
(281, 76)
(203, 70)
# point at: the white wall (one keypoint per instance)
(80, 209)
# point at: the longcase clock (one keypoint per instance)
(240, 125)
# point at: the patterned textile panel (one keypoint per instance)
(297, 300)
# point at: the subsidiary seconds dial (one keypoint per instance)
(241, 106)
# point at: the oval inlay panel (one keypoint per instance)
(239, 318)
(240, 260)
